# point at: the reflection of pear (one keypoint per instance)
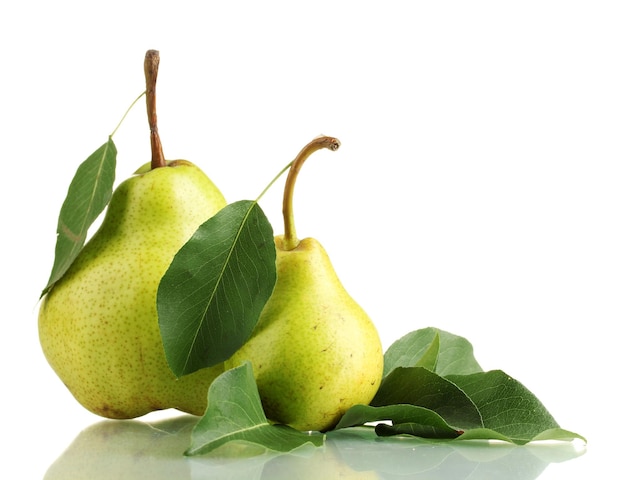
(304, 463)
(137, 450)
(323, 464)
(315, 352)
(98, 324)
(127, 450)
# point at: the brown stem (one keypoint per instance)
(290, 239)
(151, 69)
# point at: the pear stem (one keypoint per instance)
(290, 239)
(151, 69)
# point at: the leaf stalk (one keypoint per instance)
(126, 114)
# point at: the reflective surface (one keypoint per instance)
(138, 450)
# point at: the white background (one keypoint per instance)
(480, 186)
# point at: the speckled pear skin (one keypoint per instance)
(98, 325)
(315, 352)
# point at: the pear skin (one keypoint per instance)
(98, 325)
(315, 352)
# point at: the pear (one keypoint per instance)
(98, 325)
(314, 351)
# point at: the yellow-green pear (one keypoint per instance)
(315, 352)
(98, 325)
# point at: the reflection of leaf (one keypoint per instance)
(416, 458)
(87, 196)
(437, 350)
(212, 294)
(235, 413)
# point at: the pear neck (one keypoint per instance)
(290, 238)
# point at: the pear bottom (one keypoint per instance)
(315, 352)
(113, 373)
(98, 325)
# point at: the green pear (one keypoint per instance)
(315, 352)
(98, 325)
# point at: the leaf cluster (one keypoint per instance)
(450, 399)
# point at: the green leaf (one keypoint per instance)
(508, 407)
(416, 429)
(423, 422)
(235, 414)
(430, 356)
(89, 193)
(434, 388)
(551, 434)
(211, 296)
(437, 350)
(485, 405)
(423, 388)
